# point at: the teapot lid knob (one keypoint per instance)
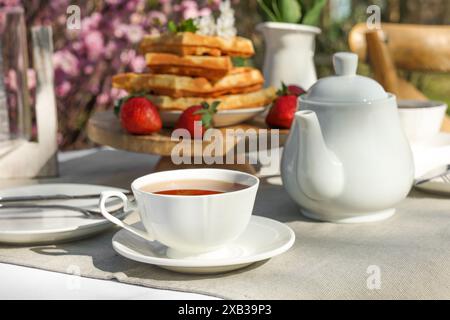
(345, 63)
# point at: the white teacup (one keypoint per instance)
(190, 225)
(421, 120)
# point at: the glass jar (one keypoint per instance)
(15, 110)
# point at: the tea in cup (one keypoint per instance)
(192, 212)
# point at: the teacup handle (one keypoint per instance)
(104, 196)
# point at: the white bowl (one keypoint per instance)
(421, 120)
(222, 118)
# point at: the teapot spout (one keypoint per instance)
(320, 174)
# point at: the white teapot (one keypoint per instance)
(347, 158)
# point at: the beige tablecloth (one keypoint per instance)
(407, 256)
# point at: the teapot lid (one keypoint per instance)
(346, 85)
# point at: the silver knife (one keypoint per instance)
(53, 197)
(438, 172)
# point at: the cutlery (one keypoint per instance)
(442, 172)
(87, 212)
(52, 197)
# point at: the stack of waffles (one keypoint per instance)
(186, 69)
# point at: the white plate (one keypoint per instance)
(37, 226)
(431, 154)
(436, 186)
(222, 118)
(263, 239)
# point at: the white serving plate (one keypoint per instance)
(222, 118)
(39, 226)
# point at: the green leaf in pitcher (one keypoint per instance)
(313, 15)
(293, 11)
(290, 10)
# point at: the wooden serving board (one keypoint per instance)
(104, 128)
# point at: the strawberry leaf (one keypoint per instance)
(207, 120)
(214, 106)
(283, 91)
(204, 105)
(207, 112)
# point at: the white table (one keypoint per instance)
(328, 261)
(17, 282)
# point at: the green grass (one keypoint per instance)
(436, 87)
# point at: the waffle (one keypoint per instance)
(227, 102)
(211, 68)
(181, 50)
(188, 43)
(238, 80)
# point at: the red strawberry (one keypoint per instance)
(283, 109)
(138, 115)
(296, 90)
(202, 113)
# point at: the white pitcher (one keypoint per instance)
(347, 158)
(289, 53)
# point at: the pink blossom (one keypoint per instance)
(67, 62)
(103, 98)
(113, 2)
(127, 56)
(166, 6)
(11, 80)
(189, 4)
(205, 12)
(93, 88)
(91, 22)
(94, 44)
(77, 45)
(118, 93)
(10, 3)
(63, 89)
(133, 5)
(190, 13)
(62, 19)
(136, 18)
(111, 49)
(110, 30)
(59, 5)
(31, 77)
(89, 69)
(157, 17)
(134, 33)
(190, 9)
(138, 64)
(121, 30)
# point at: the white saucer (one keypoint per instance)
(431, 154)
(263, 239)
(436, 186)
(38, 226)
(222, 118)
